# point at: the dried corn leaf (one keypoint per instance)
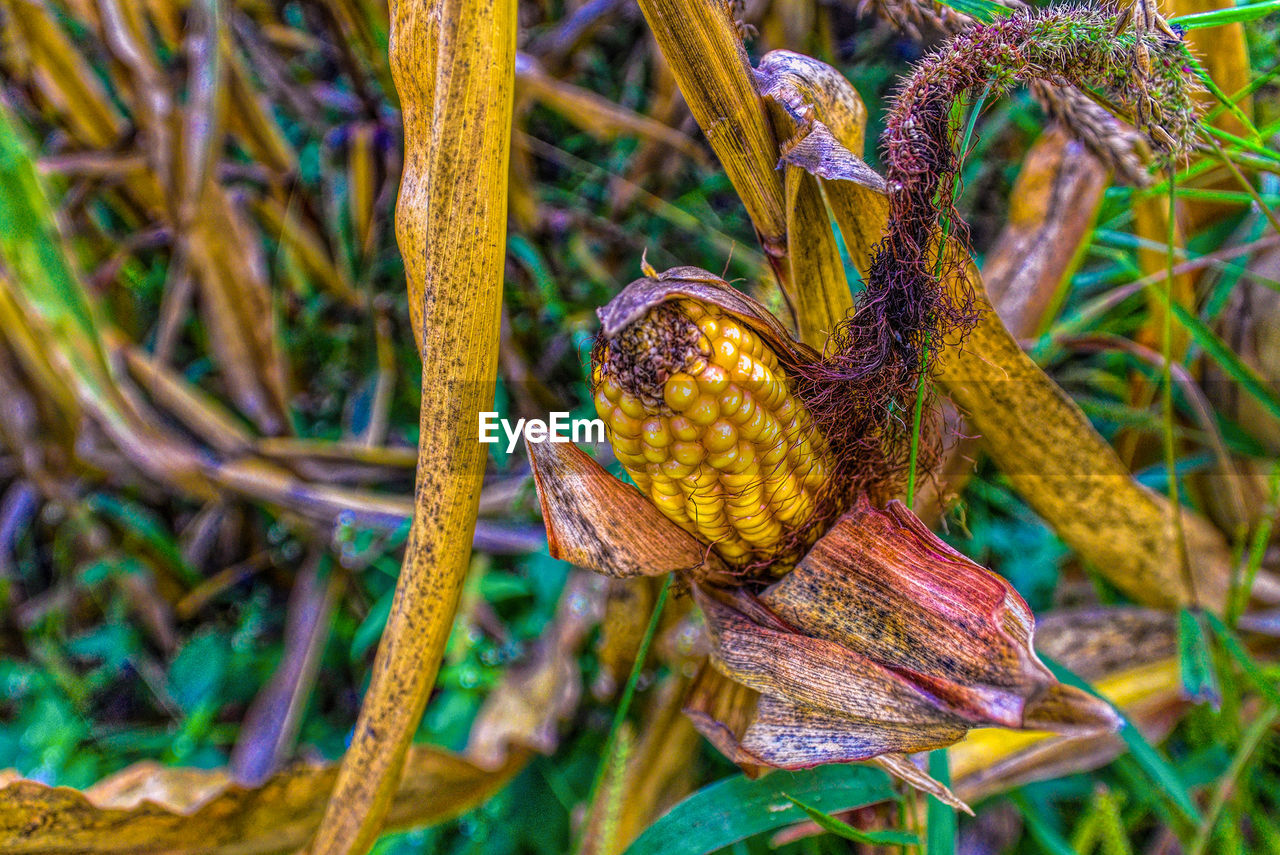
(63, 76)
(821, 121)
(151, 809)
(700, 42)
(1069, 475)
(537, 694)
(454, 67)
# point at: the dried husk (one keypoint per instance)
(882, 641)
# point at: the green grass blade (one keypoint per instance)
(1237, 651)
(736, 808)
(887, 837)
(1048, 838)
(1222, 17)
(1198, 678)
(1156, 767)
(1226, 358)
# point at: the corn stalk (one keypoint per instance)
(454, 67)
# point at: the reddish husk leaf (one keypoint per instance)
(882, 641)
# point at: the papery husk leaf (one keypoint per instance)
(725, 711)
(994, 760)
(697, 284)
(820, 702)
(595, 521)
(881, 583)
(704, 50)
(882, 641)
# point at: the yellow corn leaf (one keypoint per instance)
(249, 119)
(362, 183)
(818, 289)
(308, 248)
(1151, 225)
(236, 298)
(1069, 474)
(596, 115)
(1052, 208)
(701, 44)
(151, 809)
(454, 67)
(64, 78)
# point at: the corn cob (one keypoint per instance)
(699, 413)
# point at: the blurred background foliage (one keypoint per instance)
(200, 534)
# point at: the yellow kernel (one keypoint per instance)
(704, 412)
(626, 445)
(745, 411)
(680, 392)
(623, 424)
(720, 436)
(710, 327)
(653, 455)
(724, 353)
(683, 429)
(723, 460)
(713, 380)
(604, 406)
(731, 331)
(730, 400)
(632, 406)
(688, 453)
(675, 469)
(656, 433)
(610, 388)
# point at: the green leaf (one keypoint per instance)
(736, 808)
(1044, 834)
(1156, 767)
(984, 11)
(1237, 652)
(942, 817)
(1230, 15)
(887, 837)
(1198, 679)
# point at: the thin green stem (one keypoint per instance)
(624, 705)
(1166, 393)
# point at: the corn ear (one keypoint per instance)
(700, 412)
